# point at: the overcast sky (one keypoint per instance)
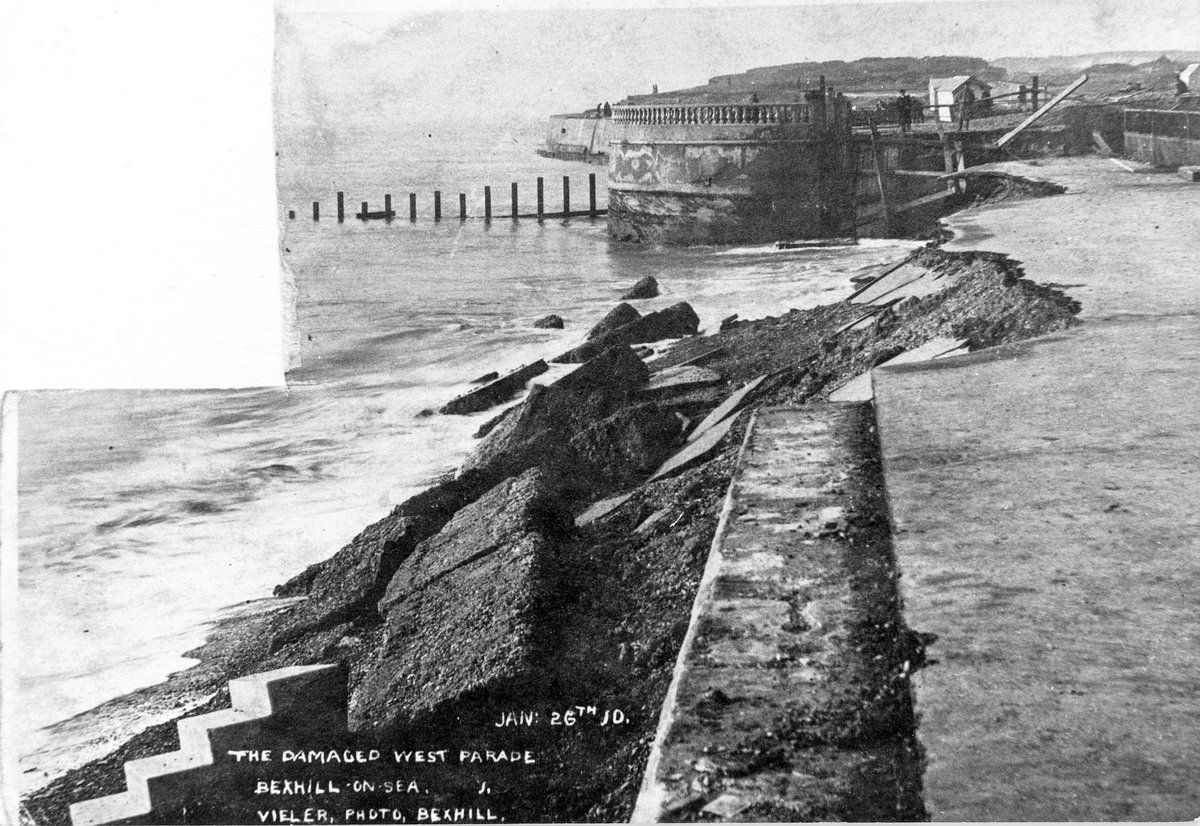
(477, 62)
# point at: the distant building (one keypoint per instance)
(946, 95)
(1191, 77)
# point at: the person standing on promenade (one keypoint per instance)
(904, 111)
(965, 109)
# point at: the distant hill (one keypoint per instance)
(868, 74)
(871, 77)
(864, 73)
(1074, 64)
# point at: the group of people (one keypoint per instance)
(603, 110)
(906, 108)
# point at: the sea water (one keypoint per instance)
(144, 515)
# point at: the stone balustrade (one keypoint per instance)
(720, 114)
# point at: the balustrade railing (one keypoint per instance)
(671, 115)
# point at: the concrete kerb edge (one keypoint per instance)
(648, 806)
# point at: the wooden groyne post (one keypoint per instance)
(389, 213)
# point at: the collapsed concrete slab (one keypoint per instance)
(464, 613)
(496, 392)
(861, 389)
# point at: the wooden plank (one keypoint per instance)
(1029, 121)
(703, 357)
(695, 450)
(888, 281)
(601, 508)
(725, 408)
(924, 199)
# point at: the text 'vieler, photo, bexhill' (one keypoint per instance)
(695, 414)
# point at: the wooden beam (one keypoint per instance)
(1102, 144)
(1036, 115)
(883, 200)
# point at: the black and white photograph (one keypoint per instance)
(659, 412)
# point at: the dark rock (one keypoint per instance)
(643, 352)
(486, 377)
(466, 612)
(707, 355)
(729, 321)
(549, 322)
(622, 449)
(618, 316)
(675, 321)
(496, 392)
(539, 431)
(646, 288)
(350, 582)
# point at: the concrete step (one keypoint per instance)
(770, 637)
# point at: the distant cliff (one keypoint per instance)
(862, 75)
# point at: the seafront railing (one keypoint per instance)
(670, 114)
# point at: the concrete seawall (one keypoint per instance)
(719, 175)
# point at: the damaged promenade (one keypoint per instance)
(969, 599)
(1044, 498)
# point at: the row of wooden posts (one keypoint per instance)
(387, 213)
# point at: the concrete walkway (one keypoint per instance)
(1046, 497)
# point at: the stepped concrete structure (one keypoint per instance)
(297, 707)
